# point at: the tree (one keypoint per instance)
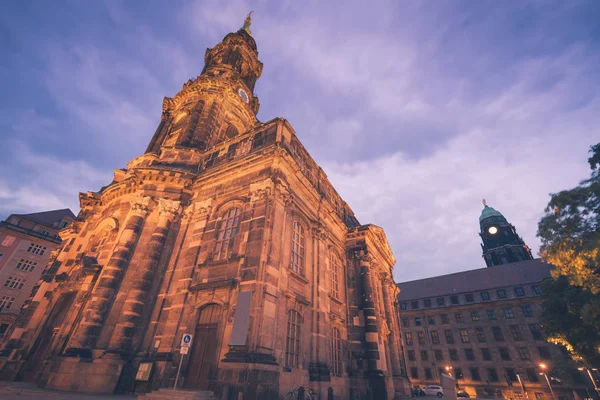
(570, 234)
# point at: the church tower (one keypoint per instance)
(225, 231)
(501, 244)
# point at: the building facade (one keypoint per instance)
(26, 244)
(225, 229)
(483, 326)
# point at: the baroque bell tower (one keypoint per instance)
(501, 244)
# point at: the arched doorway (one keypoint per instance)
(205, 352)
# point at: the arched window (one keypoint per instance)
(227, 230)
(335, 276)
(292, 343)
(336, 352)
(297, 255)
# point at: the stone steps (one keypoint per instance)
(172, 394)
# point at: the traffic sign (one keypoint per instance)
(184, 350)
(186, 340)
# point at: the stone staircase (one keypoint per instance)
(172, 394)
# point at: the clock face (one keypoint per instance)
(492, 230)
(243, 95)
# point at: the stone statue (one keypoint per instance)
(247, 23)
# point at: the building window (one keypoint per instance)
(527, 311)
(292, 345)
(336, 352)
(439, 355)
(501, 293)
(445, 319)
(453, 354)
(403, 306)
(435, 338)
(227, 230)
(449, 336)
(486, 354)
(427, 303)
(335, 277)
(424, 355)
(411, 355)
(523, 353)
(475, 374)
(454, 299)
(491, 315)
(474, 316)
(431, 320)
(3, 328)
(504, 354)
(498, 335)
(458, 374)
(6, 302)
(469, 298)
(428, 373)
(480, 335)
(440, 301)
(536, 332)
(464, 336)
(537, 289)
(469, 354)
(485, 296)
(515, 331)
(531, 375)
(36, 249)
(408, 338)
(14, 283)
(1, 256)
(519, 291)
(458, 316)
(492, 375)
(418, 321)
(297, 261)
(508, 313)
(414, 305)
(8, 241)
(421, 337)
(405, 322)
(510, 373)
(544, 352)
(26, 265)
(414, 373)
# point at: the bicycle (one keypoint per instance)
(293, 394)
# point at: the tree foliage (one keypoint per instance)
(570, 234)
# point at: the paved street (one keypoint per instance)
(28, 391)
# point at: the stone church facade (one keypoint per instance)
(228, 230)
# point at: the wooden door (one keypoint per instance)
(204, 354)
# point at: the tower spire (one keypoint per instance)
(247, 23)
(484, 203)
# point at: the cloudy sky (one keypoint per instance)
(416, 110)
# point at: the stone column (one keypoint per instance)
(137, 297)
(390, 315)
(371, 332)
(105, 291)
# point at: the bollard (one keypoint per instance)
(301, 393)
(330, 393)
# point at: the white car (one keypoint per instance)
(433, 390)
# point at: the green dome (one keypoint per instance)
(489, 212)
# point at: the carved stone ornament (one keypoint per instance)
(260, 190)
(140, 204)
(363, 256)
(169, 208)
(284, 193)
(203, 207)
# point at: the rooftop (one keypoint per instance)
(518, 273)
(48, 218)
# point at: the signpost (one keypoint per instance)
(186, 343)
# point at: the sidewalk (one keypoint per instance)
(28, 391)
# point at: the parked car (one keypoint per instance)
(433, 390)
(462, 393)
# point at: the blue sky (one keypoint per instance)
(416, 110)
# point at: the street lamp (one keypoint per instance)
(543, 367)
(591, 377)
(448, 370)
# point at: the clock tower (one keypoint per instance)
(501, 244)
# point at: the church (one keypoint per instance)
(227, 232)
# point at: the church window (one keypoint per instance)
(519, 291)
(226, 234)
(335, 277)
(210, 160)
(292, 345)
(297, 255)
(231, 132)
(258, 140)
(336, 352)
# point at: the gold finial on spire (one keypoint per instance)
(484, 203)
(247, 23)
